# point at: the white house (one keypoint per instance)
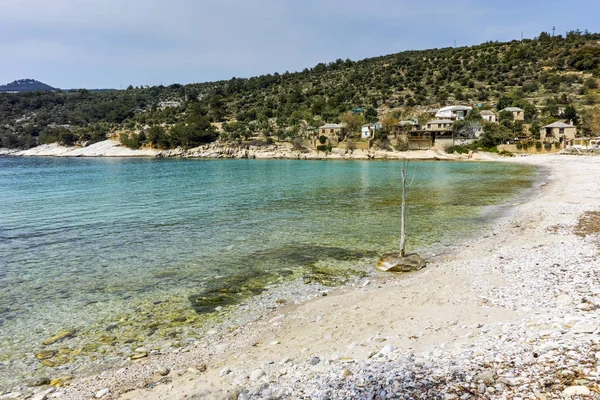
(368, 130)
(453, 112)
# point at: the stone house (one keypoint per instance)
(488, 116)
(558, 132)
(518, 113)
(330, 130)
(439, 125)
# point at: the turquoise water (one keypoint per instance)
(84, 242)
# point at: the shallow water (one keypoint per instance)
(89, 243)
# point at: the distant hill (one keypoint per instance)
(25, 85)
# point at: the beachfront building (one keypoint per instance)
(439, 125)
(518, 113)
(488, 116)
(368, 130)
(453, 112)
(331, 130)
(558, 132)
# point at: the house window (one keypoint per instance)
(331, 131)
(561, 131)
(322, 130)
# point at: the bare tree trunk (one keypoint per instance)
(402, 219)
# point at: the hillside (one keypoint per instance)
(25, 85)
(544, 76)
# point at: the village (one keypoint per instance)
(447, 129)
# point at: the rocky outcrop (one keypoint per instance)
(113, 148)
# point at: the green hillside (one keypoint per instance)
(543, 76)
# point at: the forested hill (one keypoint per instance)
(543, 75)
(25, 85)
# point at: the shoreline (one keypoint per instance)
(113, 148)
(347, 341)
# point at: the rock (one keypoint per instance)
(225, 371)
(11, 395)
(275, 342)
(314, 361)
(101, 393)
(39, 381)
(62, 335)
(584, 327)
(45, 354)
(285, 360)
(257, 374)
(564, 299)
(387, 349)
(576, 391)
(394, 262)
(346, 373)
(488, 377)
(586, 307)
(162, 370)
(43, 395)
(61, 381)
(139, 356)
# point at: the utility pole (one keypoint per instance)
(455, 43)
(521, 36)
(553, 30)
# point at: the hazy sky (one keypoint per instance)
(114, 43)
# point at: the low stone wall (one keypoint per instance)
(352, 145)
(512, 148)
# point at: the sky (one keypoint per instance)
(116, 43)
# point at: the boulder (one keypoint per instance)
(394, 262)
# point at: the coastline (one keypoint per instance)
(113, 148)
(447, 329)
(447, 321)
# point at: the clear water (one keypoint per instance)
(84, 242)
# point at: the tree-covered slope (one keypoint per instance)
(546, 73)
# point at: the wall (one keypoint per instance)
(511, 148)
(354, 145)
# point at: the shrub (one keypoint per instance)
(324, 148)
(457, 149)
(323, 139)
(538, 145)
(547, 146)
(519, 146)
(557, 145)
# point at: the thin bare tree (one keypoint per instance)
(404, 173)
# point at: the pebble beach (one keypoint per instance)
(511, 313)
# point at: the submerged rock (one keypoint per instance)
(45, 354)
(58, 337)
(394, 262)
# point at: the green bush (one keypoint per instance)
(323, 139)
(557, 145)
(457, 149)
(519, 146)
(547, 146)
(324, 148)
(538, 145)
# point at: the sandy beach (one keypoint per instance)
(510, 313)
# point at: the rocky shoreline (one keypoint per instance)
(510, 314)
(112, 148)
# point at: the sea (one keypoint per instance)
(113, 253)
